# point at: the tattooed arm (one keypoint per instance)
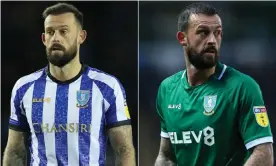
(121, 142)
(262, 156)
(15, 152)
(165, 155)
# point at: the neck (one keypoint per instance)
(198, 76)
(66, 72)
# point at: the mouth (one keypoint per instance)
(56, 49)
(210, 51)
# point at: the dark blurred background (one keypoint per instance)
(248, 45)
(111, 46)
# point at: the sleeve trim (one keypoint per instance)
(258, 142)
(120, 123)
(14, 122)
(164, 134)
(17, 128)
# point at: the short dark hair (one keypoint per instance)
(61, 8)
(195, 8)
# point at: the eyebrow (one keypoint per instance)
(57, 27)
(206, 26)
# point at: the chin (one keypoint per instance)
(60, 54)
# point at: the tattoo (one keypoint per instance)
(121, 141)
(262, 156)
(15, 155)
(165, 156)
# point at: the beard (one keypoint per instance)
(201, 61)
(59, 56)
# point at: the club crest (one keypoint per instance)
(83, 97)
(209, 104)
(261, 115)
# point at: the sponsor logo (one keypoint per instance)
(188, 137)
(174, 106)
(126, 110)
(261, 115)
(41, 100)
(56, 128)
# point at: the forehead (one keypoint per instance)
(198, 20)
(67, 19)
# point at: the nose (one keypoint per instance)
(211, 39)
(56, 38)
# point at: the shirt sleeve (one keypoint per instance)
(18, 120)
(118, 113)
(159, 110)
(253, 122)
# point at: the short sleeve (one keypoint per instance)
(118, 113)
(253, 121)
(159, 100)
(18, 120)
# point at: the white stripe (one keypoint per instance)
(183, 75)
(223, 71)
(97, 100)
(13, 109)
(27, 100)
(258, 142)
(49, 118)
(164, 134)
(106, 104)
(120, 104)
(73, 117)
(107, 79)
(19, 83)
(114, 84)
(28, 78)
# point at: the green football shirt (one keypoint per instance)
(216, 123)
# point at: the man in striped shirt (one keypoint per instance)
(66, 111)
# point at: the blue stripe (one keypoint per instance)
(37, 117)
(121, 86)
(85, 116)
(61, 112)
(14, 122)
(102, 139)
(22, 120)
(109, 96)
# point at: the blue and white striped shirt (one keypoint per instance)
(67, 121)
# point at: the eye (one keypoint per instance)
(203, 32)
(49, 32)
(63, 31)
(217, 33)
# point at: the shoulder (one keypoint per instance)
(236, 78)
(171, 82)
(28, 79)
(24, 83)
(103, 78)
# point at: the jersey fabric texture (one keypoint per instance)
(67, 121)
(216, 123)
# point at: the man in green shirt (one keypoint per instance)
(210, 113)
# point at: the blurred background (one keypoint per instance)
(111, 46)
(248, 45)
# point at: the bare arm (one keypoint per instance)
(15, 152)
(165, 155)
(262, 156)
(121, 141)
